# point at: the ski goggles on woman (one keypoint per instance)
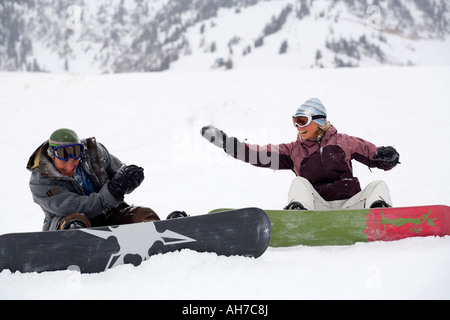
(74, 151)
(305, 119)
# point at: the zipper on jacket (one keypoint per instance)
(320, 150)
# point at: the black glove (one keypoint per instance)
(387, 155)
(220, 139)
(125, 181)
(215, 136)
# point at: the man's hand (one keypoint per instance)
(125, 181)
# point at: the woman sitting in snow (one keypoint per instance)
(321, 159)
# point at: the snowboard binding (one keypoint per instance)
(176, 215)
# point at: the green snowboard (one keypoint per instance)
(345, 227)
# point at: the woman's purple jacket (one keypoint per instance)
(327, 165)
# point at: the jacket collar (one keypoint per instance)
(90, 160)
(41, 161)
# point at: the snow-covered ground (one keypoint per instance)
(154, 120)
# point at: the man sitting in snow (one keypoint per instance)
(80, 184)
(321, 160)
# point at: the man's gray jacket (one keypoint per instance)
(59, 195)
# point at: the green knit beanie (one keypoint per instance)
(61, 137)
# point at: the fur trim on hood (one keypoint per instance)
(41, 161)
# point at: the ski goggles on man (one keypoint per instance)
(65, 152)
(305, 119)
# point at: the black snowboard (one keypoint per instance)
(244, 232)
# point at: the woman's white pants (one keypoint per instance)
(301, 190)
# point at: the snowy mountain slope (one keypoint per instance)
(154, 120)
(283, 34)
(133, 35)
